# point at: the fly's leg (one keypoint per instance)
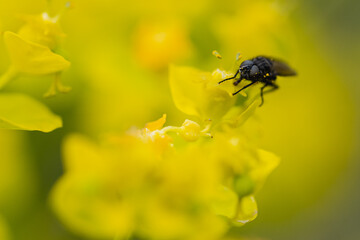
(262, 94)
(274, 87)
(244, 88)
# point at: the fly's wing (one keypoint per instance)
(282, 69)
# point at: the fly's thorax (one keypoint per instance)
(264, 64)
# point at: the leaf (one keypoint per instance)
(32, 58)
(24, 113)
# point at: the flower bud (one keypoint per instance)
(190, 131)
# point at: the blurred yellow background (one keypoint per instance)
(120, 52)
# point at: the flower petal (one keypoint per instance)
(157, 124)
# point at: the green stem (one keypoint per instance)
(9, 75)
(57, 86)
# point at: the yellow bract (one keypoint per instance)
(32, 58)
(247, 211)
(225, 202)
(266, 163)
(199, 94)
(20, 112)
(30, 54)
(42, 29)
(31, 51)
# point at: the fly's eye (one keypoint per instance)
(246, 63)
(254, 70)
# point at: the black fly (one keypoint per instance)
(261, 69)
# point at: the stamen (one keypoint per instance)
(238, 56)
(216, 54)
(54, 19)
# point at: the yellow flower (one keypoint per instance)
(190, 130)
(42, 29)
(198, 94)
(31, 51)
(153, 134)
(156, 45)
(147, 183)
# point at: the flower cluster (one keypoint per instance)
(32, 52)
(188, 182)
